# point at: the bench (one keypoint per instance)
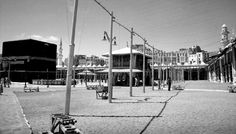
(31, 89)
(232, 89)
(177, 87)
(91, 87)
(101, 92)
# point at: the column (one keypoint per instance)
(233, 65)
(166, 73)
(226, 68)
(209, 73)
(198, 74)
(159, 78)
(173, 74)
(163, 74)
(188, 74)
(221, 70)
(178, 75)
(214, 72)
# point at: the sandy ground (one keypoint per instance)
(157, 111)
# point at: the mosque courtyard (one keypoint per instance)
(193, 110)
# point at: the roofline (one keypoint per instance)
(29, 40)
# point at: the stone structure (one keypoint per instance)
(223, 64)
(28, 59)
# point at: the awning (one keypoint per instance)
(120, 71)
(86, 73)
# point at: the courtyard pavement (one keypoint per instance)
(158, 111)
(12, 119)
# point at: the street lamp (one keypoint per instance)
(144, 64)
(111, 39)
(107, 38)
(70, 61)
(152, 67)
(131, 63)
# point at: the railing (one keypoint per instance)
(48, 82)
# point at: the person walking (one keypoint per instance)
(136, 81)
(169, 83)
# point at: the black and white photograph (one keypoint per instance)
(117, 66)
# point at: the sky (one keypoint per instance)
(168, 25)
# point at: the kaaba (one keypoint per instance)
(25, 60)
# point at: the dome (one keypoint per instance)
(224, 25)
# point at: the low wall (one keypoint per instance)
(48, 82)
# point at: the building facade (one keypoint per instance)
(185, 64)
(121, 67)
(223, 64)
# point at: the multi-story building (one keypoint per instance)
(121, 67)
(190, 60)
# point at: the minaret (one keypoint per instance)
(60, 56)
(224, 35)
(233, 36)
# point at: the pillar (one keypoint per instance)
(214, 71)
(166, 73)
(226, 67)
(190, 74)
(209, 73)
(221, 71)
(159, 78)
(198, 73)
(163, 78)
(233, 65)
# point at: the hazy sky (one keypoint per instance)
(166, 24)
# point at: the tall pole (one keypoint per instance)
(74, 75)
(70, 62)
(110, 62)
(152, 67)
(144, 66)
(131, 65)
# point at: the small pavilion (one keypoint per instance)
(121, 67)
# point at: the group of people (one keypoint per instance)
(5, 82)
(168, 82)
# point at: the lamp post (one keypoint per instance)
(144, 65)
(70, 61)
(110, 61)
(152, 67)
(110, 39)
(131, 65)
(159, 76)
